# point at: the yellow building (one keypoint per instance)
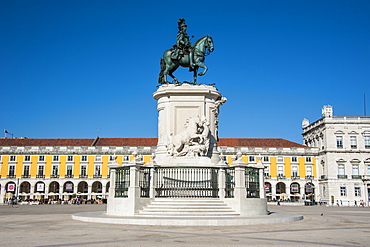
(61, 169)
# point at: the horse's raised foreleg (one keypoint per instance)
(205, 69)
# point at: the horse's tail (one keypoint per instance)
(162, 76)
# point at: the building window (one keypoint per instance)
(294, 159)
(280, 159)
(111, 158)
(280, 171)
(355, 170)
(41, 158)
(26, 171)
(97, 170)
(83, 170)
(266, 171)
(11, 170)
(343, 191)
(251, 158)
(308, 160)
(55, 171)
(294, 171)
(353, 140)
(98, 158)
(339, 141)
(309, 171)
(27, 158)
(55, 158)
(357, 191)
(40, 172)
(12, 158)
(127, 158)
(84, 158)
(266, 159)
(367, 141)
(368, 169)
(341, 171)
(69, 171)
(70, 158)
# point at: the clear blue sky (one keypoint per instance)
(75, 69)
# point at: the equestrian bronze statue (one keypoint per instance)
(184, 54)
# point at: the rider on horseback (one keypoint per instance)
(183, 45)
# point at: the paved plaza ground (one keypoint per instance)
(52, 225)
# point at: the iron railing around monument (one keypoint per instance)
(229, 182)
(188, 182)
(122, 182)
(144, 182)
(252, 182)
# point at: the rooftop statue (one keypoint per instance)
(184, 54)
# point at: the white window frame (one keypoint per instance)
(353, 141)
(280, 171)
(294, 171)
(367, 141)
(339, 141)
(42, 158)
(343, 190)
(357, 191)
(341, 170)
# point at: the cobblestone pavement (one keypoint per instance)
(52, 225)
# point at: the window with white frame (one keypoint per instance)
(343, 191)
(127, 158)
(83, 170)
(27, 158)
(339, 141)
(26, 171)
(355, 170)
(12, 158)
(266, 158)
(41, 158)
(40, 171)
(84, 158)
(368, 169)
(111, 158)
(55, 158)
(294, 171)
(251, 158)
(308, 170)
(357, 191)
(353, 140)
(280, 159)
(367, 141)
(54, 171)
(294, 159)
(11, 171)
(341, 170)
(69, 170)
(280, 171)
(266, 171)
(69, 158)
(308, 160)
(98, 158)
(97, 170)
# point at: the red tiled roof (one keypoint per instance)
(120, 142)
(257, 142)
(229, 142)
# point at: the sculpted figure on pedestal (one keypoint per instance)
(192, 141)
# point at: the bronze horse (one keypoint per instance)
(202, 48)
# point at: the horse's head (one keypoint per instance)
(209, 43)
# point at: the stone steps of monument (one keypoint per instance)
(187, 208)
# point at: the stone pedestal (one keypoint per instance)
(180, 109)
